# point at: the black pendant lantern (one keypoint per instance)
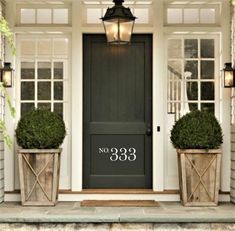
(118, 23)
(7, 75)
(229, 80)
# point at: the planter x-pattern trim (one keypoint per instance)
(201, 177)
(37, 181)
(39, 176)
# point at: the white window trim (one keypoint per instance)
(38, 6)
(223, 32)
(217, 8)
(217, 74)
(65, 181)
(171, 181)
(104, 8)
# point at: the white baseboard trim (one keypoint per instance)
(12, 197)
(79, 197)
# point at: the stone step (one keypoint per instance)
(117, 227)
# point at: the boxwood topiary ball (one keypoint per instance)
(197, 130)
(40, 129)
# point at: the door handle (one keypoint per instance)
(149, 131)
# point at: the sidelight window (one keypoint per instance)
(43, 74)
(192, 75)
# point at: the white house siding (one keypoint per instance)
(233, 111)
(2, 6)
(1, 152)
(233, 164)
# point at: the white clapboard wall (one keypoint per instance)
(2, 100)
(232, 192)
(1, 151)
(233, 164)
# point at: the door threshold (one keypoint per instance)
(119, 191)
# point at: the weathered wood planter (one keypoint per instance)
(1, 169)
(39, 176)
(199, 176)
(232, 192)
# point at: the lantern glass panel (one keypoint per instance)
(228, 78)
(126, 31)
(111, 29)
(118, 31)
(7, 78)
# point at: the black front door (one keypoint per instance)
(117, 117)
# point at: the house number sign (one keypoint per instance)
(119, 154)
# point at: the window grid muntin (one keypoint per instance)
(103, 8)
(176, 104)
(182, 7)
(36, 59)
(37, 7)
(36, 80)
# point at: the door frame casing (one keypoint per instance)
(157, 91)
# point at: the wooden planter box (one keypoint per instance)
(199, 176)
(232, 192)
(39, 176)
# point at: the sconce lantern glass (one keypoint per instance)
(228, 75)
(7, 75)
(118, 23)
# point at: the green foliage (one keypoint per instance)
(7, 33)
(11, 108)
(6, 137)
(40, 129)
(197, 130)
(3, 128)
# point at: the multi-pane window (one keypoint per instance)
(35, 15)
(192, 75)
(43, 75)
(192, 14)
(94, 10)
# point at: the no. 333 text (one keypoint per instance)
(121, 154)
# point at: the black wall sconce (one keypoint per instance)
(229, 80)
(7, 75)
(118, 23)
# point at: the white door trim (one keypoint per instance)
(77, 96)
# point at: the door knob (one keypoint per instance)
(149, 131)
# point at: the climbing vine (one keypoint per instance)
(8, 35)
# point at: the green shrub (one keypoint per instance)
(40, 129)
(197, 130)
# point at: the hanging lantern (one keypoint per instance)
(7, 75)
(228, 75)
(118, 23)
